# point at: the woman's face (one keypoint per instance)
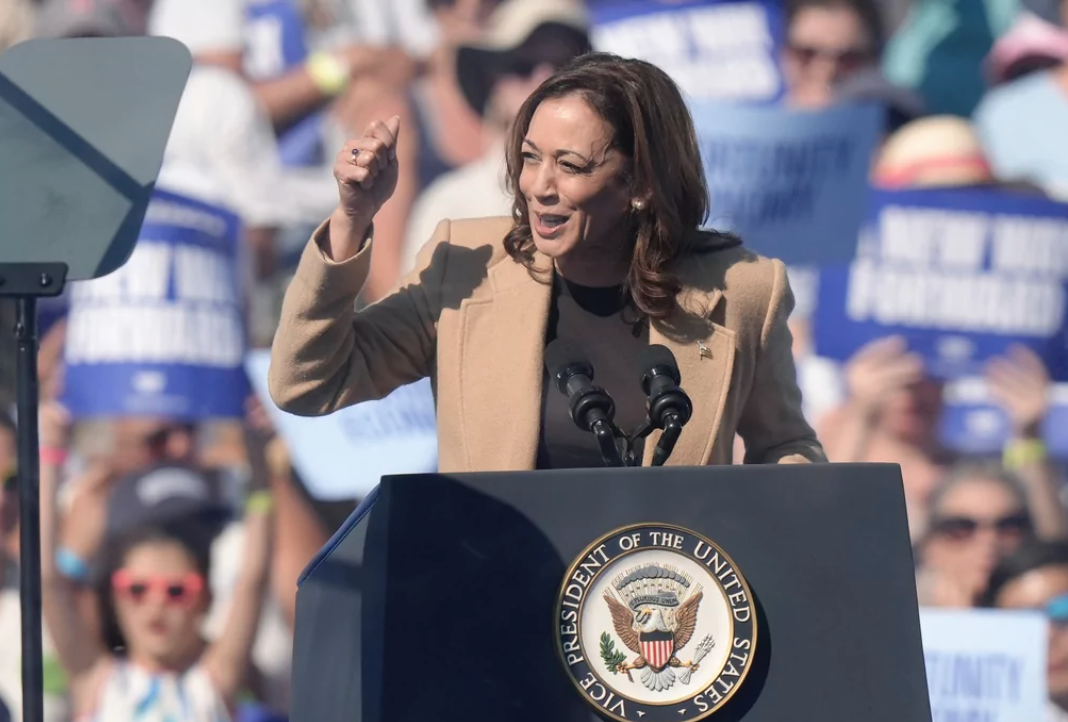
(160, 601)
(824, 45)
(574, 183)
(977, 523)
(1035, 590)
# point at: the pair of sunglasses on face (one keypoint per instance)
(850, 58)
(963, 528)
(181, 590)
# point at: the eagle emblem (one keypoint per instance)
(654, 612)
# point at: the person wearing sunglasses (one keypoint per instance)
(150, 660)
(1035, 576)
(827, 41)
(978, 515)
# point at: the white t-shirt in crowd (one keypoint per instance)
(223, 150)
(477, 190)
(201, 25)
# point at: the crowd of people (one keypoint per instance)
(172, 545)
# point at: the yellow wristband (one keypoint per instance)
(328, 72)
(259, 502)
(1023, 452)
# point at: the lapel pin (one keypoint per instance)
(705, 351)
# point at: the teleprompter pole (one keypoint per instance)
(26, 282)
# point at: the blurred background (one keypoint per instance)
(930, 269)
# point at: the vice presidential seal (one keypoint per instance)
(656, 623)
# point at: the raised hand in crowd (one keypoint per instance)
(1020, 383)
(877, 376)
(889, 416)
(366, 173)
(298, 532)
(878, 371)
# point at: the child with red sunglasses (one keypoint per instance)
(150, 661)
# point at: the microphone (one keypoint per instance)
(669, 406)
(592, 409)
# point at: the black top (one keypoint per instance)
(603, 323)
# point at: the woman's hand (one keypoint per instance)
(1020, 383)
(366, 173)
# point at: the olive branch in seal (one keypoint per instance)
(611, 656)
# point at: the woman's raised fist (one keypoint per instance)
(366, 173)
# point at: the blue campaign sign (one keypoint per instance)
(344, 455)
(792, 183)
(985, 665)
(972, 423)
(165, 334)
(718, 49)
(961, 274)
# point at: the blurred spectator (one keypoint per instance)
(149, 658)
(891, 415)
(224, 152)
(826, 42)
(940, 151)
(82, 19)
(939, 49)
(214, 30)
(1021, 125)
(16, 22)
(440, 131)
(526, 42)
(1035, 577)
(406, 24)
(978, 515)
(1032, 44)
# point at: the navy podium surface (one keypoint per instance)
(756, 593)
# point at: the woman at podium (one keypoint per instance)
(604, 250)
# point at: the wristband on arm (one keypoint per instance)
(53, 457)
(1023, 452)
(259, 501)
(71, 565)
(329, 72)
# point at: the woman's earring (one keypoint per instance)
(637, 205)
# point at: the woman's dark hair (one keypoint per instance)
(194, 539)
(1029, 557)
(652, 127)
(868, 11)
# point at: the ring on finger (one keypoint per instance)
(355, 156)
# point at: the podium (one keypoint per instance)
(756, 593)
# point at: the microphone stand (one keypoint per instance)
(668, 439)
(606, 434)
(672, 430)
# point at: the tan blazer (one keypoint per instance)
(474, 321)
